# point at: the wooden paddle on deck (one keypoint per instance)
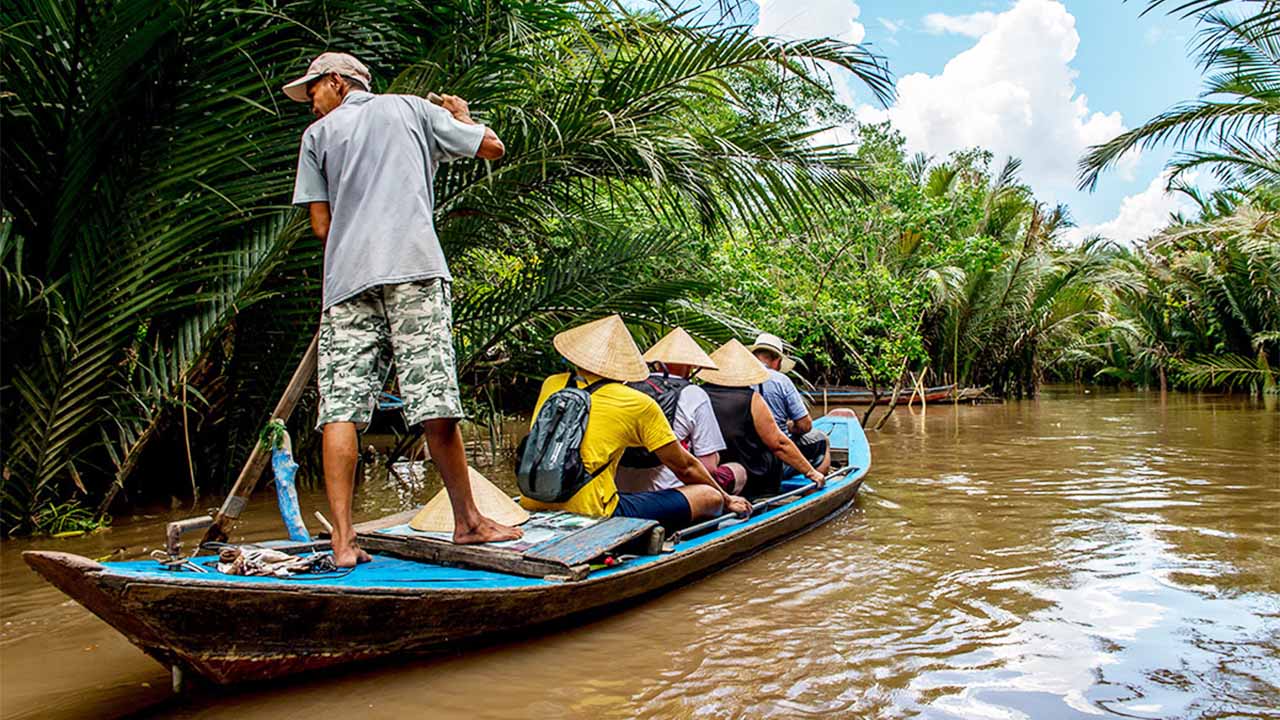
(261, 455)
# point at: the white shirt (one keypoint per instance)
(695, 427)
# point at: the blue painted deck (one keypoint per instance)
(388, 572)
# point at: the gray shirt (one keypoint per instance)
(373, 159)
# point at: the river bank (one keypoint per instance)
(1076, 555)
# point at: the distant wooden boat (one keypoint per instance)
(421, 593)
(841, 395)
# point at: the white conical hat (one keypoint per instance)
(737, 367)
(491, 501)
(679, 348)
(604, 347)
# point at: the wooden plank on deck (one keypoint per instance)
(592, 542)
(484, 557)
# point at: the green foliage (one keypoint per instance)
(952, 269)
(149, 154)
(1198, 304)
(68, 519)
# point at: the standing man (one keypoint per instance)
(788, 408)
(365, 172)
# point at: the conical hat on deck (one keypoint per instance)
(491, 501)
(737, 367)
(679, 348)
(604, 347)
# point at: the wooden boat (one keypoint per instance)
(420, 593)
(840, 395)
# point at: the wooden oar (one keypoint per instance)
(755, 507)
(261, 455)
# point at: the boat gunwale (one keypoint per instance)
(103, 575)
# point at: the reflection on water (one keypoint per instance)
(1078, 556)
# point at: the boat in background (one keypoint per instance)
(845, 395)
(423, 593)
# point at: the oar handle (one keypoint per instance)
(757, 506)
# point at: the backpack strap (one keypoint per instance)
(597, 385)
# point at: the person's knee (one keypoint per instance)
(339, 438)
(739, 477)
(704, 501)
(439, 428)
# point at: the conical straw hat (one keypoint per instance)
(603, 347)
(679, 348)
(491, 501)
(737, 367)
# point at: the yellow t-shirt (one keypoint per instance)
(621, 417)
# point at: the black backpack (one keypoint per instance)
(549, 459)
(666, 391)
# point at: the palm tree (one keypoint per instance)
(1238, 114)
(149, 153)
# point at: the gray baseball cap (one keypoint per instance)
(324, 64)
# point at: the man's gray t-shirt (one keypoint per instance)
(373, 159)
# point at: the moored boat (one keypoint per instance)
(840, 395)
(422, 593)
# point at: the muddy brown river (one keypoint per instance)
(1079, 556)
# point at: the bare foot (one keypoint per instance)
(349, 555)
(485, 531)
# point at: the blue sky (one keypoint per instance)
(1039, 79)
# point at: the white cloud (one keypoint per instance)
(813, 19)
(1013, 93)
(1140, 215)
(890, 25)
(975, 25)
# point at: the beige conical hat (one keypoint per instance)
(604, 347)
(738, 367)
(491, 501)
(679, 348)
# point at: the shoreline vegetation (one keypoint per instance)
(157, 292)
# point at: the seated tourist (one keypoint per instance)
(686, 406)
(621, 417)
(788, 408)
(751, 436)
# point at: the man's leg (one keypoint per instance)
(444, 441)
(351, 367)
(816, 448)
(340, 453)
(704, 502)
(421, 320)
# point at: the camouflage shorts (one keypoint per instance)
(407, 325)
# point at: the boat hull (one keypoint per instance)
(244, 629)
(230, 633)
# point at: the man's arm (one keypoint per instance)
(710, 461)
(780, 444)
(692, 472)
(320, 220)
(491, 147)
(801, 422)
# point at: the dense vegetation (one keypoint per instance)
(157, 290)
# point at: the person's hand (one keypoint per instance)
(818, 478)
(739, 506)
(456, 106)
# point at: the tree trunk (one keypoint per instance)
(893, 403)
(875, 398)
